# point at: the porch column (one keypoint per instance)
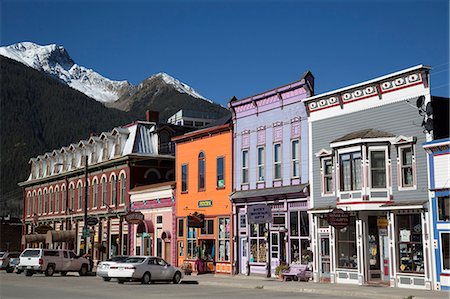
(360, 249)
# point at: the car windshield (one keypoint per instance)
(134, 260)
(31, 253)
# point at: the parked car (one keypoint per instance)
(103, 267)
(144, 269)
(49, 261)
(5, 260)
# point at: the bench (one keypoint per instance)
(298, 272)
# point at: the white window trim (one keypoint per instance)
(322, 176)
(246, 167)
(441, 253)
(386, 161)
(263, 165)
(337, 158)
(399, 167)
(279, 162)
(298, 160)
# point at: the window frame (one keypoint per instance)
(401, 167)
(223, 239)
(80, 197)
(94, 194)
(352, 177)
(185, 180)
(295, 158)
(222, 174)
(201, 171)
(441, 251)
(277, 163)
(244, 166)
(104, 191)
(384, 149)
(440, 199)
(261, 163)
(325, 176)
(122, 188)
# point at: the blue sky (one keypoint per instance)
(240, 48)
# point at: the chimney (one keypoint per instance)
(152, 116)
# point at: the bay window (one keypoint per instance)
(378, 169)
(350, 174)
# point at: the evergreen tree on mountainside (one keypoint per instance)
(38, 115)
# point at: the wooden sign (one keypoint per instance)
(134, 217)
(259, 214)
(91, 221)
(338, 218)
(204, 203)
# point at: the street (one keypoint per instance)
(13, 286)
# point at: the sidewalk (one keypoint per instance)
(344, 290)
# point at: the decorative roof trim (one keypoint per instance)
(324, 153)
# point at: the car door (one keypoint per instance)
(73, 264)
(154, 268)
(165, 270)
(65, 261)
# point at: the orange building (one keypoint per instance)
(204, 182)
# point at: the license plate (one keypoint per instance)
(121, 268)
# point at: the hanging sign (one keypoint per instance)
(43, 229)
(259, 214)
(196, 220)
(134, 217)
(382, 222)
(91, 221)
(338, 218)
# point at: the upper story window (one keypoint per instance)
(105, 154)
(95, 194)
(74, 160)
(245, 167)
(261, 161)
(48, 172)
(72, 197)
(123, 187)
(378, 169)
(80, 196)
(327, 169)
(113, 191)
(443, 203)
(184, 177)
(295, 158)
(201, 171)
(94, 154)
(277, 161)
(406, 166)
(117, 146)
(220, 165)
(350, 174)
(103, 191)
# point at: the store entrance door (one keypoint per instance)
(325, 258)
(373, 249)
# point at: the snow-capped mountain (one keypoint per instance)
(55, 61)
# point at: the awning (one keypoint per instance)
(288, 192)
(408, 204)
(166, 236)
(145, 226)
(33, 238)
(60, 236)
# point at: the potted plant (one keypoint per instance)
(283, 267)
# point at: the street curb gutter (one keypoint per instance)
(311, 290)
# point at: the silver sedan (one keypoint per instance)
(103, 267)
(144, 269)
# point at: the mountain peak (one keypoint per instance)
(178, 85)
(54, 60)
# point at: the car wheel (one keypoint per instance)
(50, 270)
(106, 278)
(176, 278)
(120, 281)
(83, 271)
(19, 271)
(28, 273)
(10, 270)
(146, 278)
(63, 273)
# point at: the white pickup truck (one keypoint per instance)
(49, 261)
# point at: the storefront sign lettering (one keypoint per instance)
(134, 217)
(338, 218)
(204, 203)
(259, 214)
(382, 222)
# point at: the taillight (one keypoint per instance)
(41, 261)
(130, 267)
(1, 259)
(113, 267)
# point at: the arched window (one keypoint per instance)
(95, 194)
(201, 171)
(50, 205)
(57, 200)
(40, 202)
(113, 190)
(103, 191)
(122, 188)
(80, 196)
(45, 201)
(72, 197)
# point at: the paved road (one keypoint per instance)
(13, 286)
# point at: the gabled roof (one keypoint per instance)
(364, 134)
(93, 139)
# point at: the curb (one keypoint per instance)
(341, 293)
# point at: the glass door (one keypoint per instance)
(373, 248)
(325, 256)
(244, 255)
(274, 251)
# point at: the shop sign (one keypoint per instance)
(338, 218)
(382, 222)
(91, 221)
(205, 203)
(43, 229)
(134, 217)
(259, 214)
(196, 220)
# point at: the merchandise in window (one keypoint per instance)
(192, 249)
(346, 246)
(224, 240)
(257, 243)
(350, 171)
(443, 208)
(410, 244)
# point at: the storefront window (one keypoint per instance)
(192, 250)
(443, 208)
(208, 228)
(445, 254)
(410, 244)
(299, 235)
(257, 243)
(346, 246)
(180, 227)
(224, 240)
(294, 223)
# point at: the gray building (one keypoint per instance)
(270, 148)
(369, 185)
